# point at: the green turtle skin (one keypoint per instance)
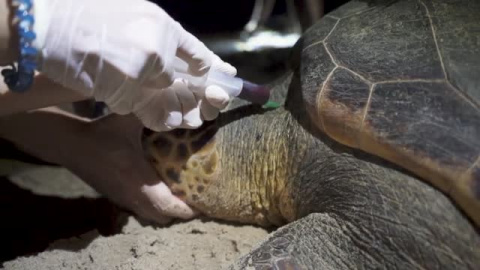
(371, 163)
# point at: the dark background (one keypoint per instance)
(212, 16)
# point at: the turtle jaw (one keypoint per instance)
(186, 160)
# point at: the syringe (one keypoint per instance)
(235, 87)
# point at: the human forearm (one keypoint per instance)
(42, 133)
(8, 37)
(44, 93)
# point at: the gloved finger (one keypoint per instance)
(208, 111)
(156, 112)
(217, 96)
(190, 106)
(193, 118)
(165, 203)
(162, 68)
(124, 99)
(191, 50)
(152, 118)
(220, 65)
(172, 106)
(149, 213)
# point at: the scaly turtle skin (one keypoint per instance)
(396, 79)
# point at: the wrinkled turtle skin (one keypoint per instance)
(372, 162)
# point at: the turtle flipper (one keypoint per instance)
(272, 254)
(326, 241)
(317, 241)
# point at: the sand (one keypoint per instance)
(191, 245)
(195, 244)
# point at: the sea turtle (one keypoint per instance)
(372, 161)
(381, 104)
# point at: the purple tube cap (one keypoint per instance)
(254, 93)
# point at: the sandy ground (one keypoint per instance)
(197, 244)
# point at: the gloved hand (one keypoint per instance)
(121, 52)
(179, 106)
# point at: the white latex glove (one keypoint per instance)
(178, 106)
(121, 52)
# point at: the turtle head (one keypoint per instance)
(233, 168)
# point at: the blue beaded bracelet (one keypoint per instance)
(20, 79)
